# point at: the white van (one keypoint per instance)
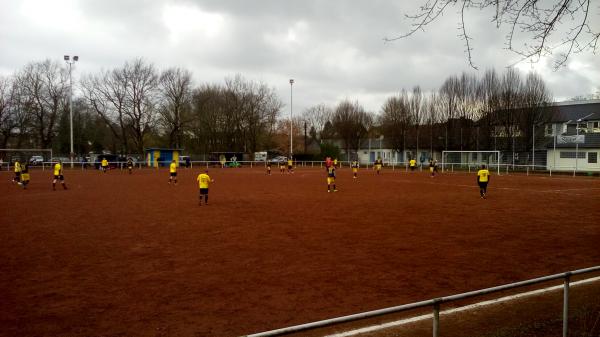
(260, 156)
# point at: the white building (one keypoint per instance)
(574, 132)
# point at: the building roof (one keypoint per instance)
(571, 111)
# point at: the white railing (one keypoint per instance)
(444, 167)
(437, 302)
(514, 168)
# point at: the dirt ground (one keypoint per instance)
(131, 255)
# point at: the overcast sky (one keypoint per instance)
(333, 49)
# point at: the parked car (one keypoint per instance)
(36, 160)
(278, 160)
(184, 161)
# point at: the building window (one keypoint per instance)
(549, 128)
(594, 126)
(592, 157)
(572, 154)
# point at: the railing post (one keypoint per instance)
(436, 318)
(566, 305)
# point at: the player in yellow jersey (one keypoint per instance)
(203, 183)
(413, 164)
(290, 165)
(104, 165)
(58, 175)
(17, 178)
(355, 169)
(335, 163)
(483, 178)
(173, 172)
(24, 175)
(378, 164)
(331, 178)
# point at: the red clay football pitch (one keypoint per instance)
(123, 255)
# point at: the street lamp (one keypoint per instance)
(577, 141)
(67, 59)
(291, 121)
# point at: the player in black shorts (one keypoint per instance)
(130, 165)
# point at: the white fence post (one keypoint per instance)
(566, 305)
(436, 319)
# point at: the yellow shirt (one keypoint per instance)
(483, 176)
(57, 169)
(290, 162)
(17, 167)
(173, 168)
(413, 162)
(203, 180)
(104, 162)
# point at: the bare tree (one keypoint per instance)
(351, 122)
(448, 97)
(106, 94)
(174, 110)
(510, 101)
(208, 118)
(262, 106)
(535, 98)
(395, 120)
(142, 79)
(536, 23)
(466, 96)
(7, 120)
(415, 106)
(240, 116)
(488, 93)
(432, 109)
(44, 87)
(316, 117)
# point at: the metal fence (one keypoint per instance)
(504, 169)
(437, 302)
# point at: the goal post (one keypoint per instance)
(471, 158)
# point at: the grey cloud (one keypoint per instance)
(338, 51)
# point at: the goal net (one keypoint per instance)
(470, 160)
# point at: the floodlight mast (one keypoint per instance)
(70, 63)
(291, 118)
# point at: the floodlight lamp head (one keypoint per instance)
(66, 57)
(76, 58)
(291, 81)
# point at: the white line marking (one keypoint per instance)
(455, 310)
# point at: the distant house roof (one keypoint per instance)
(572, 111)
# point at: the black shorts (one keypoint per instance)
(203, 191)
(59, 177)
(482, 184)
(173, 174)
(289, 167)
(412, 168)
